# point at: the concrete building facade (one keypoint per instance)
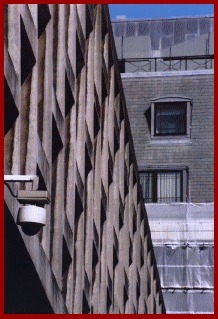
(66, 122)
(167, 70)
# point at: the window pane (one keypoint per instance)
(204, 25)
(131, 27)
(161, 187)
(146, 180)
(120, 29)
(167, 27)
(192, 26)
(170, 119)
(143, 28)
(168, 187)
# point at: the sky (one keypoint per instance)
(159, 10)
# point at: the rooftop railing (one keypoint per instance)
(164, 64)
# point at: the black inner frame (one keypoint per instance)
(170, 106)
(153, 198)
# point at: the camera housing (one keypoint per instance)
(32, 216)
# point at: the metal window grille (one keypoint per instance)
(161, 187)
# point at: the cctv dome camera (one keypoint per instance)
(31, 218)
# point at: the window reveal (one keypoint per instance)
(170, 118)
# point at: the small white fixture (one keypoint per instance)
(31, 214)
(30, 217)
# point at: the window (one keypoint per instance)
(164, 186)
(170, 117)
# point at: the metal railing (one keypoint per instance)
(163, 64)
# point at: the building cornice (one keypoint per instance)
(164, 74)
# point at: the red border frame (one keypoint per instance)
(2, 119)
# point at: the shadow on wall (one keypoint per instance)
(20, 275)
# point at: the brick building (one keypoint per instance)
(189, 154)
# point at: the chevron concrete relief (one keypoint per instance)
(66, 122)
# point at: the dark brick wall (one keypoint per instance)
(199, 153)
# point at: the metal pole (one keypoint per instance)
(122, 47)
(170, 57)
(206, 54)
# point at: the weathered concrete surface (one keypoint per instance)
(73, 131)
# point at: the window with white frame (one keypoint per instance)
(171, 117)
(164, 186)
